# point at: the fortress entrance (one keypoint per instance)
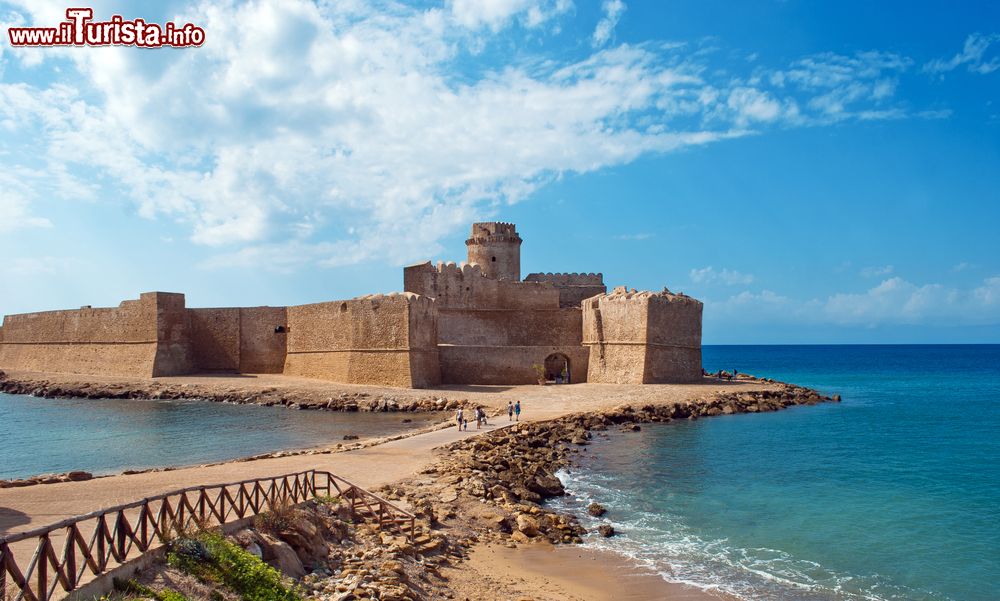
(557, 368)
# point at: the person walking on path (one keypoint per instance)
(458, 417)
(517, 411)
(510, 411)
(479, 418)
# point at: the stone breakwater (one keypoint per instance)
(269, 397)
(488, 489)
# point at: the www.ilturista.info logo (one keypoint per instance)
(79, 29)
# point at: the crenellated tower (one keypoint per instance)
(496, 248)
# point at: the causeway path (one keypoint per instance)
(31, 507)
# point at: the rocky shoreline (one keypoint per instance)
(269, 397)
(488, 489)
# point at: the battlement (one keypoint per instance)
(467, 286)
(622, 293)
(493, 231)
(410, 298)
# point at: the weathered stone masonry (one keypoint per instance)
(475, 323)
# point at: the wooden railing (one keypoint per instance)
(123, 533)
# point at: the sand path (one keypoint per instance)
(34, 506)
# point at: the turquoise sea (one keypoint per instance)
(109, 436)
(892, 494)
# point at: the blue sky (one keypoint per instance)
(815, 172)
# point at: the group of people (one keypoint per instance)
(479, 414)
(722, 375)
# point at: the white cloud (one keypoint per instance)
(334, 133)
(496, 14)
(962, 266)
(893, 301)
(972, 56)
(34, 266)
(750, 104)
(299, 121)
(842, 87)
(709, 275)
(15, 215)
(613, 10)
(877, 271)
(636, 236)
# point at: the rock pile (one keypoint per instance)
(75, 476)
(270, 397)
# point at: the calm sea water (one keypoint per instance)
(107, 436)
(892, 494)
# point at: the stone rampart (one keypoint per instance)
(380, 340)
(145, 337)
(643, 337)
(243, 339)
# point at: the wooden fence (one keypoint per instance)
(72, 552)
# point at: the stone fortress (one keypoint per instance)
(474, 323)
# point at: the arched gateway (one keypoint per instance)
(557, 368)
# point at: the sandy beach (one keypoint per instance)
(556, 573)
(536, 570)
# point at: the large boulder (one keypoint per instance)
(546, 485)
(281, 555)
(527, 525)
(304, 534)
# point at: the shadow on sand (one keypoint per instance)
(486, 388)
(11, 518)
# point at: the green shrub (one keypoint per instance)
(279, 519)
(227, 564)
(135, 588)
(328, 500)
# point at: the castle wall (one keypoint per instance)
(144, 337)
(174, 355)
(379, 340)
(573, 288)
(262, 350)
(642, 338)
(215, 338)
(549, 327)
(239, 339)
(500, 347)
(505, 364)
